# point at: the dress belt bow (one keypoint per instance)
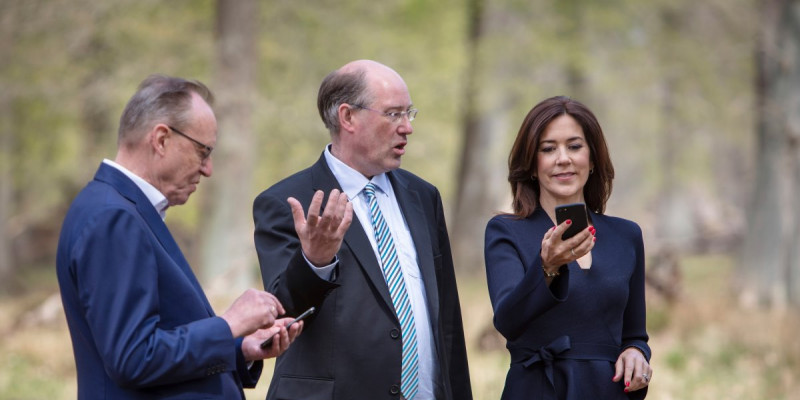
(561, 348)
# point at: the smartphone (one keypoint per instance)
(577, 213)
(300, 317)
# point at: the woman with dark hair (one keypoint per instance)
(572, 310)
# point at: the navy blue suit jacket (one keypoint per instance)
(140, 323)
(565, 338)
(351, 348)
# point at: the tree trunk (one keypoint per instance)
(770, 262)
(228, 254)
(476, 196)
(675, 230)
(6, 188)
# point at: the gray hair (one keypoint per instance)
(159, 98)
(338, 88)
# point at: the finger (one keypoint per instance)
(328, 217)
(641, 369)
(314, 208)
(549, 233)
(560, 229)
(341, 209)
(347, 218)
(297, 213)
(276, 341)
(618, 370)
(584, 246)
(296, 330)
(277, 303)
(628, 374)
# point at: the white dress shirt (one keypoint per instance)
(157, 199)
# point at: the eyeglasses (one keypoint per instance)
(206, 149)
(394, 116)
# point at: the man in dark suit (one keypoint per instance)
(141, 326)
(356, 346)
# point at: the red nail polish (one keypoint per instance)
(626, 385)
(594, 239)
(626, 390)
(569, 222)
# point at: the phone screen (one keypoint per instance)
(575, 212)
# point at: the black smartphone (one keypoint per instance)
(577, 213)
(300, 317)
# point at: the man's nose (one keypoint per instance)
(207, 167)
(405, 126)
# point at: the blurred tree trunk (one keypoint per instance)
(675, 229)
(6, 188)
(8, 34)
(771, 260)
(228, 253)
(474, 196)
(571, 14)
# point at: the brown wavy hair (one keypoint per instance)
(522, 161)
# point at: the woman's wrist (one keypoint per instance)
(550, 272)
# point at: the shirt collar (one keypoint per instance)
(352, 181)
(156, 198)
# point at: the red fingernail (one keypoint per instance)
(626, 385)
(626, 390)
(569, 222)
(594, 239)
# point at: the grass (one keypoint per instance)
(704, 345)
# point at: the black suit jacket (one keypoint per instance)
(351, 348)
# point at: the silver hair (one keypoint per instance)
(159, 98)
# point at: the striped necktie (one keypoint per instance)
(409, 378)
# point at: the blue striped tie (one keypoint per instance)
(409, 378)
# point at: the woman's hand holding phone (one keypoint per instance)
(571, 239)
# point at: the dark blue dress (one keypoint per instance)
(564, 339)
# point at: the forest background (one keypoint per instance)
(699, 102)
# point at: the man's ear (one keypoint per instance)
(158, 138)
(346, 118)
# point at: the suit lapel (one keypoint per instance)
(414, 215)
(130, 191)
(355, 238)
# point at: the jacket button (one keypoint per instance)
(394, 389)
(394, 333)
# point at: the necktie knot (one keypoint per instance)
(369, 190)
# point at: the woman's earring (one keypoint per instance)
(591, 171)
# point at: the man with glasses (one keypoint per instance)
(140, 323)
(388, 321)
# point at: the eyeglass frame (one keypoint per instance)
(208, 149)
(394, 116)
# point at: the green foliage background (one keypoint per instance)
(71, 65)
(672, 82)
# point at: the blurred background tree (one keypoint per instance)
(770, 269)
(698, 100)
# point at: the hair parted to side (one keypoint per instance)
(159, 98)
(338, 88)
(522, 162)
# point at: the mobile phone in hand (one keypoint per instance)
(300, 317)
(575, 212)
